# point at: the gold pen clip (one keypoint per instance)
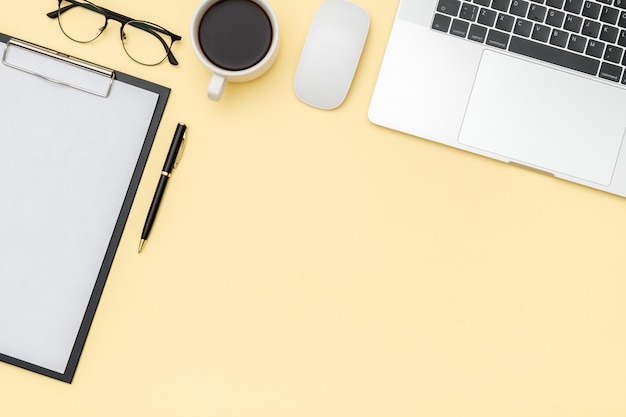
(181, 150)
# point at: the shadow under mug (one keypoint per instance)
(212, 28)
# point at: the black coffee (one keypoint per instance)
(235, 34)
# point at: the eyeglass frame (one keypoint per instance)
(123, 20)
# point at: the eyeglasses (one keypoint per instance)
(144, 42)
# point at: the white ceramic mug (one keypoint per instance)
(222, 75)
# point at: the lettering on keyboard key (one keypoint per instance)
(610, 72)
(505, 22)
(591, 9)
(573, 6)
(621, 40)
(523, 27)
(541, 33)
(613, 54)
(477, 33)
(573, 23)
(577, 43)
(459, 28)
(501, 5)
(555, 18)
(519, 8)
(537, 13)
(487, 17)
(497, 39)
(449, 7)
(468, 12)
(609, 34)
(609, 15)
(559, 38)
(595, 48)
(441, 22)
(591, 28)
(557, 4)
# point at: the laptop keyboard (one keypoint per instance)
(584, 35)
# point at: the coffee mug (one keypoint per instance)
(237, 40)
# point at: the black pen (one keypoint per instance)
(171, 162)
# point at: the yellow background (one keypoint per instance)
(309, 263)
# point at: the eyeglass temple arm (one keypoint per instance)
(55, 14)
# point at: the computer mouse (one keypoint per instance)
(331, 54)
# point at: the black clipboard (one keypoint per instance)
(116, 82)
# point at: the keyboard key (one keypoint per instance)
(487, 17)
(441, 22)
(621, 40)
(555, 18)
(559, 38)
(591, 9)
(505, 22)
(620, 3)
(574, 6)
(519, 8)
(595, 48)
(609, 33)
(449, 7)
(591, 29)
(541, 33)
(501, 5)
(523, 27)
(610, 72)
(477, 33)
(622, 20)
(497, 39)
(605, 1)
(468, 12)
(538, 1)
(459, 28)
(609, 15)
(485, 3)
(577, 43)
(554, 55)
(613, 54)
(537, 13)
(557, 4)
(573, 23)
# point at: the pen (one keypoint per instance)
(171, 162)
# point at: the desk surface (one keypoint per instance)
(309, 263)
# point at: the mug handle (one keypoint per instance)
(216, 87)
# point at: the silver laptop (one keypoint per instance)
(538, 83)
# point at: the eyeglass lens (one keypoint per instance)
(145, 43)
(81, 21)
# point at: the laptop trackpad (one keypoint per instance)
(545, 118)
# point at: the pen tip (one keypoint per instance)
(141, 245)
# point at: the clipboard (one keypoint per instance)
(74, 141)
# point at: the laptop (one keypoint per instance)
(534, 83)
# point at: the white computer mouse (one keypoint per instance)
(331, 54)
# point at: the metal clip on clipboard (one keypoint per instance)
(52, 66)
